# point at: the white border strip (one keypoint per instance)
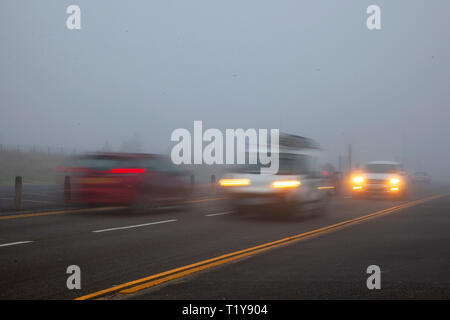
(218, 214)
(14, 243)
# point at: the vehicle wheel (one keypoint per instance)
(322, 206)
(288, 210)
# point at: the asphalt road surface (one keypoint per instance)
(206, 251)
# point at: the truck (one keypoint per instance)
(298, 184)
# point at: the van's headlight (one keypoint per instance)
(286, 184)
(234, 182)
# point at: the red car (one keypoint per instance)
(138, 180)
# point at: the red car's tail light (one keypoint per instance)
(128, 170)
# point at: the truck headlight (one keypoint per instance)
(358, 179)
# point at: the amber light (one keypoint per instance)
(286, 184)
(234, 182)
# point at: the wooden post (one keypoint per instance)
(213, 183)
(18, 193)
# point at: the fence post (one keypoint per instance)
(67, 190)
(17, 192)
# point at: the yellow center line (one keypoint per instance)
(156, 279)
(48, 213)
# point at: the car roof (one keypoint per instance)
(383, 162)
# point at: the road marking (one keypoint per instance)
(157, 279)
(135, 226)
(14, 243)
(218, 214)
(38, 214)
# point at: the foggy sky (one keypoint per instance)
(145, 68)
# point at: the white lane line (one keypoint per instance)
(14, 243)
(135, 226)
(218, 214)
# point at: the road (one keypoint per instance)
(206, 251)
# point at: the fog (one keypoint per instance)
(137, 70)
